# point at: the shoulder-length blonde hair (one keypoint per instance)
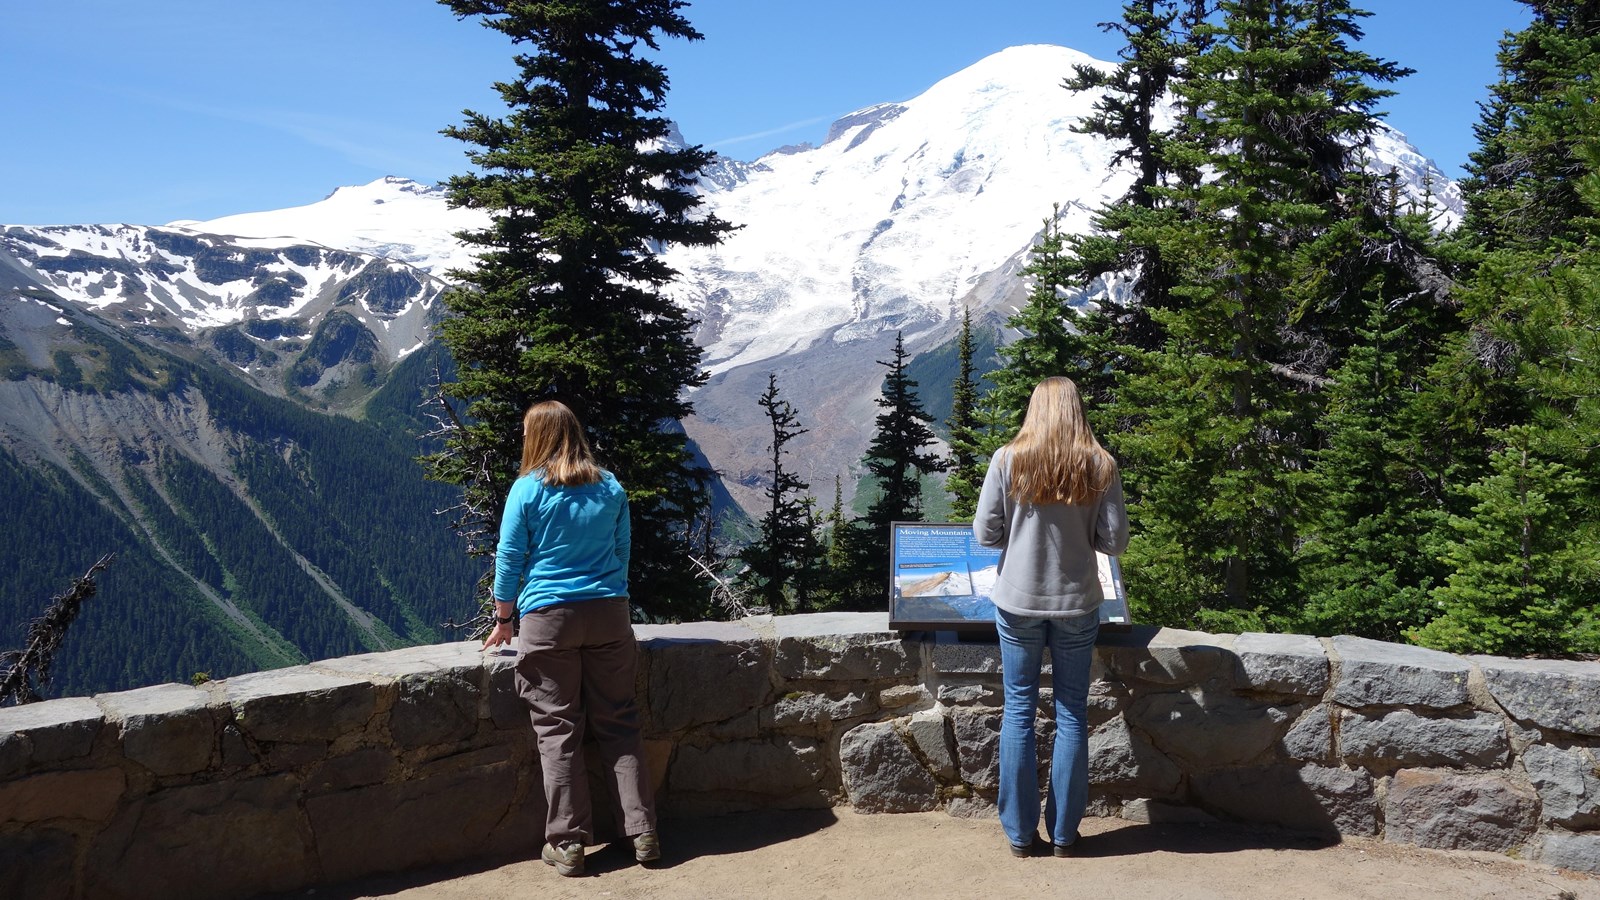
(552, 440)
(1055, 457)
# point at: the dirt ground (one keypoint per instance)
(842, 854)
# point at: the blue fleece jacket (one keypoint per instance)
(562, 544)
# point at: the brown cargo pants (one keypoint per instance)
(575, 667)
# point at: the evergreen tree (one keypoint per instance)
(1363, 566)
(786, 546)
(965, 478)
(1524, 377)
(1522, 190)
(1160, 35)
(895, 462)
(1524, 576)
(1219, 414)
(566, 300)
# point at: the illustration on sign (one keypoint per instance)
(943, 579)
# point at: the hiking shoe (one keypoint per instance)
(1064, 850)
(567, 858)
(646, 847)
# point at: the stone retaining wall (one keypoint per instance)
(347, 767)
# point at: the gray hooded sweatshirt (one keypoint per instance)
(1048, 567)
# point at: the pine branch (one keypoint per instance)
(29, 668)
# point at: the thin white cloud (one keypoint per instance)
(781, 129)
(366, 143)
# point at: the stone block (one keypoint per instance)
(222, 839)
(903, 695)
(1225, 731)
(657, 759)
(977, 737)
(680, 671)
(843, 647)
(1168, 655)
(1459, 811)
(501, 703)
(1282, 664)
(461, 659)
(169, 729)
(368, 765)
(802, 709)
(56, 730)
(949, 656)
(881, 774)
(1568, 783)
(1156, 812)
(930, 731)
(1558, 695)
(299, 705)
(416, 822)
(85, 794)
(1579, 852)
(1403, 739)
(739, 728)
(1124, 761)
(236, 752)
(977, 806)
(1107, 698)
(1311, 798)
(1310, 738)
(774, 768)
(1375, 673)
(970, 695)
(37, 864)
(15, 751)
(433, 708)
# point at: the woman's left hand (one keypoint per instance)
(500, 635)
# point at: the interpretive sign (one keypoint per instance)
(942, 579)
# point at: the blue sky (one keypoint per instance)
(173, 109)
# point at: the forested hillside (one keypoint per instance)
(250, 532)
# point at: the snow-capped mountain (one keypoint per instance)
(907, 214)
(395, 218)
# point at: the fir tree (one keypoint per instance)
(1524, 576)
(566, 299)
(1219, 413)
(895, 462)
(1160, 35)
(786, 545)
(965, 478)
(1363, 567)
(1520, 388)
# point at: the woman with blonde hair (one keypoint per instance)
(562, 567)
(1052, 498)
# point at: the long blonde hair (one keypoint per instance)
(1055, 457)
(552, 440)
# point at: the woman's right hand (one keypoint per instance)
(500, 635)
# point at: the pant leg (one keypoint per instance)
(610, 660)
(549, 677)
(1021, 647)
(1071, 653)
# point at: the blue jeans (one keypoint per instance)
(1022, 643)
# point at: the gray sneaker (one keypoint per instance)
(567, 858)
(646, 847)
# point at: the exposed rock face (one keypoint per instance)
(285, 779)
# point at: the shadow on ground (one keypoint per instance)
(683, 840)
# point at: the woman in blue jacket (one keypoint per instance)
(562, 567)
(1052, 498)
